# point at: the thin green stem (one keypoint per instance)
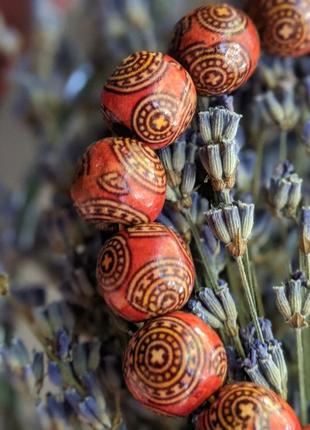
(249, 299)
(307, 266)
(209, 273)
(301, 377)
(256, 293)
(238, 345)
(283, 146)
(258, 170)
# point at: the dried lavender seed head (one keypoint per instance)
(178, 155)
(218, 125)
(284, 191)
(304, 231)
(293, 300)
(212, 304)
(198, 309)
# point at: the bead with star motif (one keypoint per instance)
(119, 180)
(145, 271)
(174, 363)
(284, 26)
(219, 46)
(150, 95)
(245, 405)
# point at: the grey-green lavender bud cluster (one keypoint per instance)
(281, 111)
(219, 156)
(284, 191)
(217, 308)
(304, 230)
(293, 300)
(265, 362)
(178, 160)
(232, 224)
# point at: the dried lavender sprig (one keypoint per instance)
(293, 300)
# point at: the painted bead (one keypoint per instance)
(248, 406)
(284, 26)
(119, 180)
(174, 363)
(145, 271)
(219, 46)
(151, 95)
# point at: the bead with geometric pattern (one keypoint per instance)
(219, 46)
(119, 180)
(244, 405)
(145, 271)
(174, 363)
(151, 96)
(284, 26)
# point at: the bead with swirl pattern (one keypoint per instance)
(247, 406)
(284, 26)
(219, 46)
(145, 271)
(119, 180)
(168, 364)
(150, 95)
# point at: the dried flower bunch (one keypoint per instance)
(186, 240)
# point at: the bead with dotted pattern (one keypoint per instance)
(150, 95)
(119, 180)
(174, 363)
(219, 46)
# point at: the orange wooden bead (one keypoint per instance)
(145, 271)
(247, 406)
(307, 427)
(174, 363)
(219, 46)
(119, 180)
(284, 26)
(151, 95)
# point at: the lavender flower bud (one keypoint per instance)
(304, 233)
(250, 366)
(218, 226)
(275, 348)
(196, 308)
(188, 178)
(218, 125)
(54, 373)
(268, 367)
(178, 155)
(212, 304)
(284, 191)
(282, 302)
(232, 225)
(293, 300)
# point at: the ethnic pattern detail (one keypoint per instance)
(287, 28)
(98, 211)
(222, 19)
(165, 360)
(218, 362)
(142, 163)
(161, 286)
(155, 116)
(218, 69)
(136, 72)
(147, 230)
(242, 406)
(185, 248)
(113, 264)
(114, 183)
(180, 29)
